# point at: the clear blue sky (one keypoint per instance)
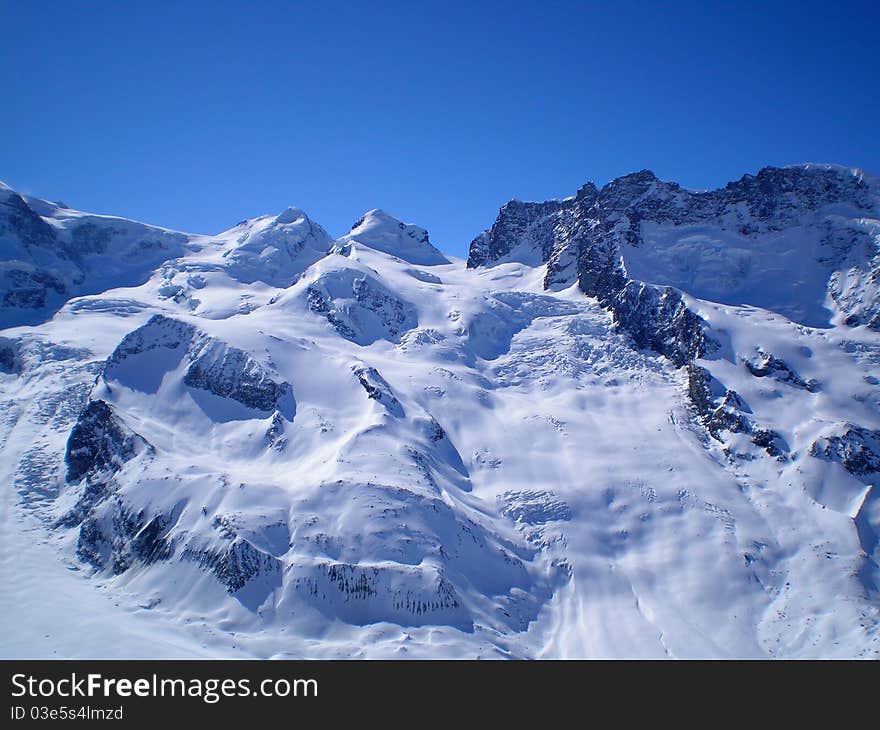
(197, 115)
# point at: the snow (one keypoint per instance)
(474, 466)
(381, 231)
(725, 267)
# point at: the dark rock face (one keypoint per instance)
(18, 219)
(44, 265)
(99, 442)
(235, 565)
(360, 308)
(768, 201)
(275, 438)
(8, 356)
(660, 320)
(856, 448)
(720, 409)
(215, 366)
(117, 539)
(115, 536)
(30, 289)
(583, 238)
(580, 239)
(159, 331)
(378, 389)
(409, 595)
(232, 373)
(109, 534)
(88, 238)
(717, 407)
(771, 441)
(766, 365)
(511, 227)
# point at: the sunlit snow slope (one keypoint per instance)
(640, 422)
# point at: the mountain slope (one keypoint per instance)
(273, 444)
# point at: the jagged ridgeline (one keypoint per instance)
(640, 421)
(605, 238)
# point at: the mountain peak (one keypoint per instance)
(275, 249)
(379, 230)
(291, 214)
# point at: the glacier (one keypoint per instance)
(639, 422)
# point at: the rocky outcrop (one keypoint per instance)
(275, 438)
(213, 365)
(360, 594)
(28, 288)
(360, 308)
(99, 442)
(159, 332)
(228, 372)
(769, 201)
(855, 448)
(19, 221)
(588, 238)
(9, 360)
(378, 389)
(765, 365)
(99, 446)
(579, 239)
(517, 223)
(660, 320)
(584, 239)
(113, 537)
(720, 409)
(236, 564)
(717, 407)
(48, 255)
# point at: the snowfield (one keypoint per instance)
(267, 443)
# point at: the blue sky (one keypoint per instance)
(197, 115)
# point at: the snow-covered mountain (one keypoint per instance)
(640, 421)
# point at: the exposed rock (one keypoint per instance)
(231, 373)
(214, 366)
(19, 220)
(770, 441)
(768, 201)
(360, 308)
(48, 256)
(856, 448)
(517, 223)
(705, 392)
(378, 389)
(99, 442)
(30, 289)
(114, 537)
(361, 594)
(159, 332)
(275, 439)
(583, 238)
(764, 365)
(235, 565)
(8, 356)
(720, 410)
(660, 320)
